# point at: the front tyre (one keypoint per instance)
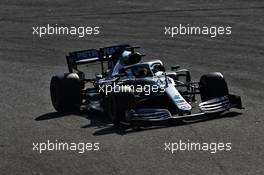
(212, 85)
(117, 104)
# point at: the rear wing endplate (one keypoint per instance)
(93, 55)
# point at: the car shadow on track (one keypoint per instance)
(52, 115)
(104, 126)
(95, 118)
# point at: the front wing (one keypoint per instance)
(210, 107)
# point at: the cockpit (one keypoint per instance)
(141, 71)
(148, 69)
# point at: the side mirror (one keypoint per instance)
(99, 76)
(175, 67)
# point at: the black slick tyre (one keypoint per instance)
(66, 92)
(212, 85)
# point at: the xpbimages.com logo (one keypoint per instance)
(80, 31)
(212, 147)
(146, 89)
(80, 147)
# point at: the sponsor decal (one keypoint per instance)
(180, 101)
(185, 107)
(177, 97)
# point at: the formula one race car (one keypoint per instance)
(128, 89)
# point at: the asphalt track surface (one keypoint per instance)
(27, 63)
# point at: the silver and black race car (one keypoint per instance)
(128, 89)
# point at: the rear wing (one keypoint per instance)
(92, 55)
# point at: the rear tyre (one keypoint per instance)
(212, 85)
(66, 92)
